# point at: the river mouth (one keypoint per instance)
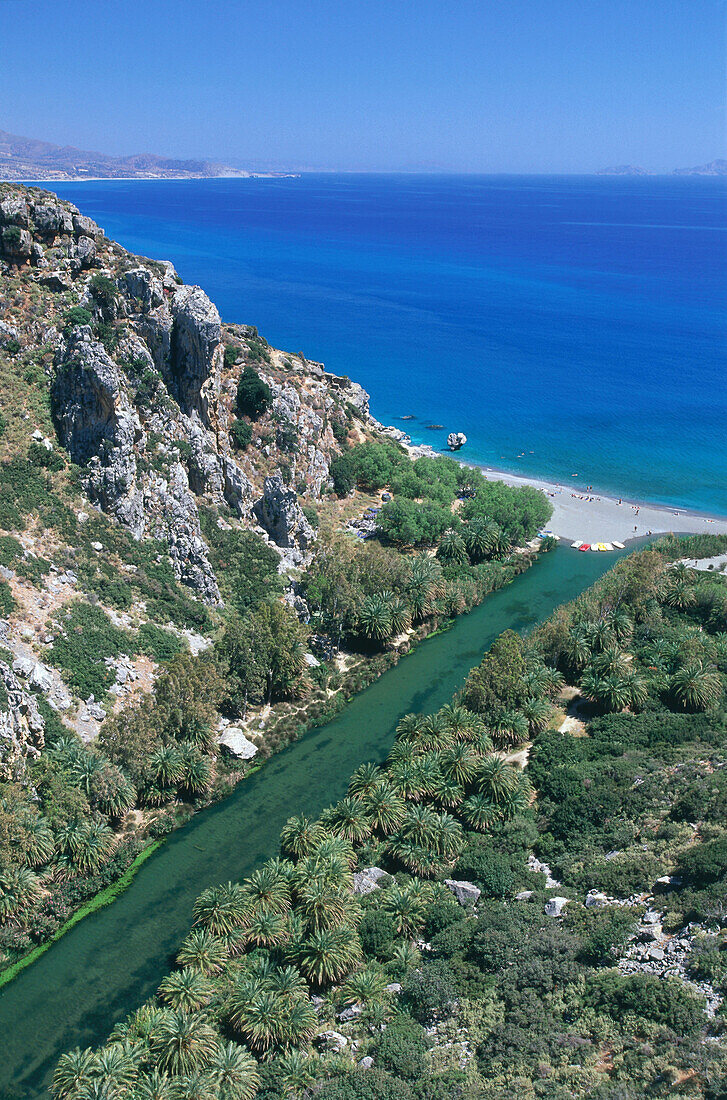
(114, 959)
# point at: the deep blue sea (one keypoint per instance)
(565, 324)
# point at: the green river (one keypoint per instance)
(114, 959)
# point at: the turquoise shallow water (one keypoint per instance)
(111, 961)
(565, 324)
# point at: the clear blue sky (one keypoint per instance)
(458, 85)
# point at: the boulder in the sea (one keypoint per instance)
(455, 440)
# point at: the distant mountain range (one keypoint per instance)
(24, 158)
(714, 168)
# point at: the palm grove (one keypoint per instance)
(289, 980)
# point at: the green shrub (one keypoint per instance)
(703, 864)
(241, 433)
(254, 396)
(44, 458)
(7, 602)
(430, 991)
(376, 933)
(89, 637)
(401, 1049)
(665, 1001)
(159, 644)
(343, 474)
(77, 315)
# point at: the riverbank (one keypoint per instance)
(590, 516)
(108, 965)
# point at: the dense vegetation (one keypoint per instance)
(503, 1000)
(159, 756)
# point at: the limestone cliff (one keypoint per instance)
(143, 386)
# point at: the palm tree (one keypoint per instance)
(451, 548)
(187, 990)
(386, 807)
(602, 634)
(86, 845)
(496, 779)
(196, 771)
(509, 729)
(267, 928)
(637, 688)
(74, 1073)
(364, 780)
(420, 826)
(536, 713)
(258, 1019)
(407, 781)
(112, 793)
(197, 1085)
(349, 819)
(612, 661)
(287, 982)
(203, 951)
(236, 1072)
(427, 571)
(366, 985)
(621, 624)
(579, 646)
(374, 618)
(679, 595)
(609, 692)
(184, 1042)
(517, 800)
(37, 844)
(118, 1064)
(300, 1022)
(84, 767)
(399, 613)
(167, 766)
(295, 1072)
(155, 1086)
(480, 813)
(459, 763)
(408, 728)
(448, 792)
(481, 537)
(321, 905)
(336, 849)
(268, 887)
(222, 908)
(419, 596)
(697, 686)
(326, 956)
(406, 907)
(300, 835)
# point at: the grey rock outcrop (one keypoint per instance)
(466, 893)
(98, 425)
(196, 352)
(282, 517)
(234, 741)
(555, 906)
(22, 729)
(366, 881)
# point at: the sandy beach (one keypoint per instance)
(593, 517)
(596, 517)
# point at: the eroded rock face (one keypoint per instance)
(98, 425)
(282, 517)
(22, 729)
(196, 352)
